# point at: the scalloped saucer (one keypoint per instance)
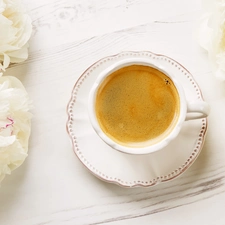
(133, 170)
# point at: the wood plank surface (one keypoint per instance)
(52, 187)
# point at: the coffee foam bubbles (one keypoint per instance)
(137, 105)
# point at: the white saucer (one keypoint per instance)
(133, 170)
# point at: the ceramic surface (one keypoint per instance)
(134, 170)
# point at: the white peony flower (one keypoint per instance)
(211, 34)
(15, 124)
(15, 31)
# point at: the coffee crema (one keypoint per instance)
(137, 106)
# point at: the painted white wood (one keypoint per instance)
(52, 187)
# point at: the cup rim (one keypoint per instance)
(135, 150)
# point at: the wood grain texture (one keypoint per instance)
(52, 187)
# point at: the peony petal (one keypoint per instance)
(6, 141)
(17, 31)
(6, 61)
(211, 35)
(204, 32)
(19, 55)
(15, 125)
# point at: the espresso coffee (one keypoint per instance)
(137, 106)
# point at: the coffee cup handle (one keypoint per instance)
(197, 110)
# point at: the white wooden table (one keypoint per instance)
(52, 187)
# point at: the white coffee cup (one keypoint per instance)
(187, 110)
